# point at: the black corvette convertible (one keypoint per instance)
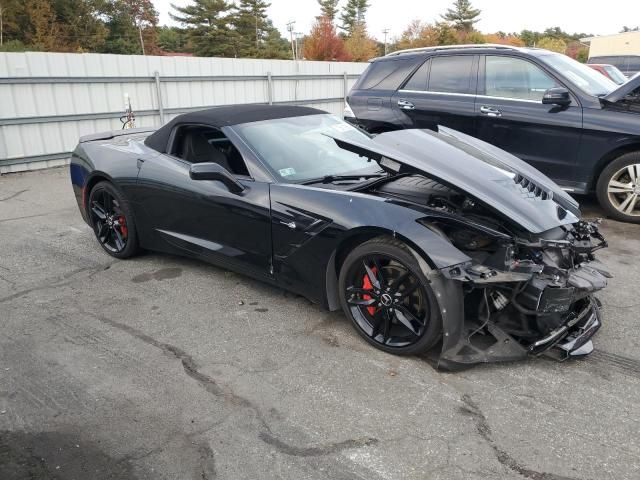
(423, 238)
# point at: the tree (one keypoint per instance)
(323, 43)
(250, 24)
(360, 46)
(553, 44)
(626, 29)
(208, 23)
(504, 39)
(132, 27)
(329, 8)
(173, 39)
(353, 14)
(419, 34)
(44, 27)
(274, 45)
(462, 15)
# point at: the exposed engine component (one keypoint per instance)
(524, 293)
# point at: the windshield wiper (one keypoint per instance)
(333, 178)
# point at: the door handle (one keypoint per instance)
(405, 105)
(139, 162)
(491, 111)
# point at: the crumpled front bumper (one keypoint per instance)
(574, 302)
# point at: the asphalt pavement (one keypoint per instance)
(161, 367)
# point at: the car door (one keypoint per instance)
(511, 116)
(204, 218)
(442, 91)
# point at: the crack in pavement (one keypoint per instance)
(65, 279)
(315, 451)
(211, 386)
(472, 410)
(13, 195)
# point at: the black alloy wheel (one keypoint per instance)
(112, 221)
(388, 299)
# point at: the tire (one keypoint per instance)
(111, 218)
(621, 200)
(410, 310)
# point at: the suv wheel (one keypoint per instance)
(618, 188)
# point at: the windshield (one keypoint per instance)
(299, 149)
(615, 74)
(583, 77)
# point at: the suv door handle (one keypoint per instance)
(491, 111)
(405, 105)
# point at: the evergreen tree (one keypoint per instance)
(353, 14)
(250, 24)
(329, 8)
(208, 22)
(462, 15)
(274, 45)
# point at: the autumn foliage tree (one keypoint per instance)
(359, 46)
(323, 43)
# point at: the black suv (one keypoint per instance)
(562, 117)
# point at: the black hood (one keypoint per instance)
(498, 179)
(623, 90)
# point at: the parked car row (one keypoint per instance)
(629, 65)
(562, 117)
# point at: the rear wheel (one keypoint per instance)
(112, 221)
(618, 188)
(388, 299)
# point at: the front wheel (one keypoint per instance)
(112, 221)
(618, 188)
(388, 299)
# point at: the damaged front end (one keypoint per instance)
(521, 295)
(528, 286)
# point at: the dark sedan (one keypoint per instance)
(422, 238)
(562, 117)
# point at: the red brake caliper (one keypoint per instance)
(123, 226)
(366, 285)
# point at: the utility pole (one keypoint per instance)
(290, 26)
(298, 36)
(141, 40)
(1, 26)
(385, 31)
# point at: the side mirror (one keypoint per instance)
(556, 96)
(214, 171)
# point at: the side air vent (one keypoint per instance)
(529, 189)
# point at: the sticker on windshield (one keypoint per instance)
(286, 172)
(342, 127)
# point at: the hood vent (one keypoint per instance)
(529, 189)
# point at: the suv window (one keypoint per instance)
(451, 74)
(510, 77)
(418, 80)
(387, 74)
(199, 143)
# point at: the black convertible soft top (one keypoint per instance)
(225, 116)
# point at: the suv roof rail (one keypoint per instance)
(451, 47)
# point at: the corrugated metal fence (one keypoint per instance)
(48, 100)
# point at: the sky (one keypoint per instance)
(497, 15)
